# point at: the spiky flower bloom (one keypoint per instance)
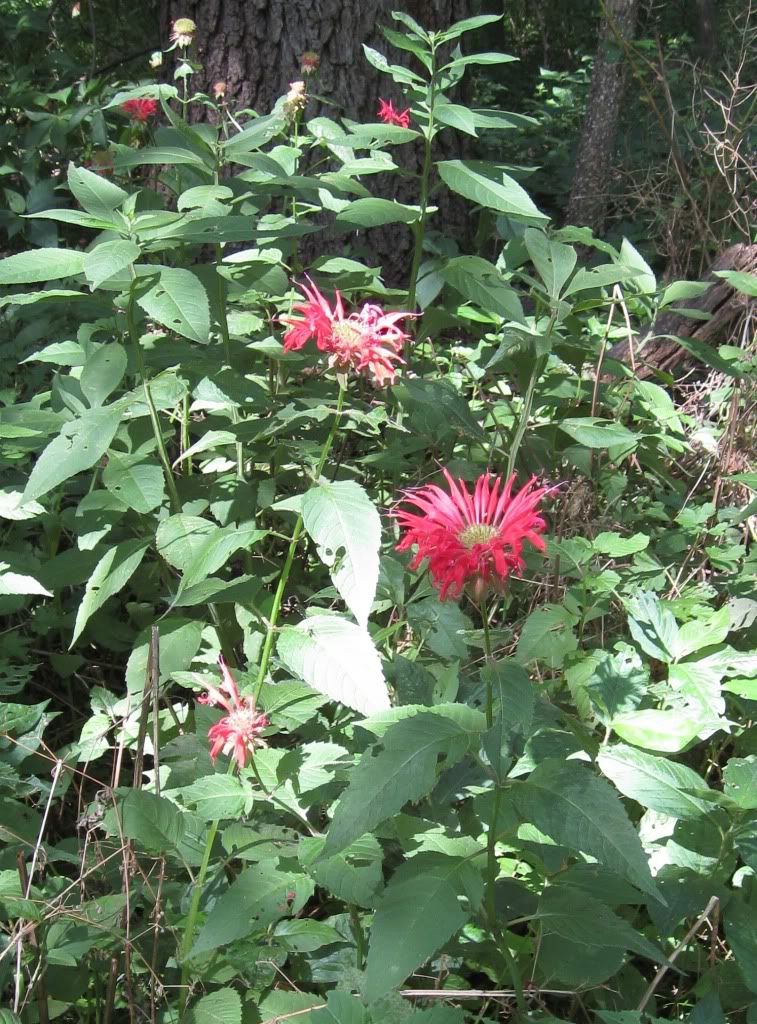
(471, 540)
(367, 341)
(390, 115)
(310, 61)
(139, 110)
(238, 733)
(182, 32)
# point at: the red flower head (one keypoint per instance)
(139, 110)
(366, 341)
(471, 540)
(310, 61)
(237, 734)
(389, 115)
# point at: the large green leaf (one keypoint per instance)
(112, 572)
(568, 803)
(418, 912)
(108, 259)
(102, 373)
(80, 444)
(41, 265)
(337, 658)
(95, 194)
(257, 898)
(224, 1006)
(479, 281)
(404, 770)
(153, 822)
(215, 550)
(139, 485)
(344, 523)
(486, 185)
(179, 301)
(354, 875)
(218, 796)
(372, 213)
(592, 432)
(656, 782)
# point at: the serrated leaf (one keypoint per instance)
(404, 770)
(214, 797)
(419, 911)
(95, 194)
(656, 782)
(180, 537)
(179, 301)
(108, 259)
(479, 281)
(488, 186)
(354, 875)
(102, 373)
(617, 546)
(568, 803)
(216, 549)
(255, 899)
(41, 265)
(337, 658)
(224, 1006)
(596, 433)
(80, 444)
(12, 583)
(139, 486)
(112, 572)
(344, 523)
(373, 212)
(153, 822)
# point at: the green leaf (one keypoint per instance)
(95, 194)
(41, 265)
(456, 116)
(108, 259)
(372, 213)
(484, 184)
(653, 627)
(419, 911)
(140, 486)
(656, 782)
(548, 635)
(435, 409)
(404, 770)
(337, 658)
(479, 58)
(215, 550)
(468, 25)
(554, 261)
(256, 134)
(112, 572)
(344, 523)
(224, 1006)
(102, 373)
(742, 282)
(126, 157)
(12, 583)
(741, 932)
(568, 803)
(740, 777)
(617, 546)
(256, 898)
(153, 822)
(218, 796)
(181, 537)
(179, 301)
(653, 729)
(592, 432)
(354, 875)
(479, 281)
(341, 1008)
(80, 444)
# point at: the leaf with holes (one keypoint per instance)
(179, 301)
(80, 444)
(343, 522)
(112, 572)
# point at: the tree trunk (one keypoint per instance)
(255, 46)
(657, 349)
(596, 147)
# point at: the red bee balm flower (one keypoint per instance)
(389, 115)
(238, 733)
(139, 110)
(366, 341)
(471, 540)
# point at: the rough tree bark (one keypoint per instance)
(254, 46)
(726, 306)
(591, 180)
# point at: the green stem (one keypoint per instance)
(419, 229)
(525, 414)
(488, 652)
(265, 657)
(194, 908)
(156, 429)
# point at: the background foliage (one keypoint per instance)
(539, 808)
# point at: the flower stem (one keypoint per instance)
(156, 429)
(419, 228)
(194, 908)
(488, 652)
(278, 597)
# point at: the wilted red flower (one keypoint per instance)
(139, 110)
(471, 540)
(238, 733)
(389, 115)
(310, 61)
(219, 90)
(369, 340)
